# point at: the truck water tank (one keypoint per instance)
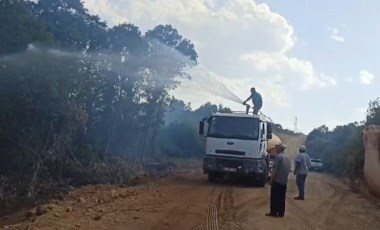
(272, 144)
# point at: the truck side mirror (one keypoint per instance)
(201, 127)
(269, 131)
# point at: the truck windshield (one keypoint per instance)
(234, 128)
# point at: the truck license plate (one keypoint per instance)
(229, 169)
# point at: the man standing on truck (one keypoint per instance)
(256, 100)
(278, 182)
(302, 165)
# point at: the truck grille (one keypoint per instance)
(227, 163)
(230, 152)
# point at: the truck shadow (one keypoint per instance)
(228, 181)
(241, 182)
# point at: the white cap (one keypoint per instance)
(302, 148)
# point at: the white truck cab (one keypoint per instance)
(236, 143)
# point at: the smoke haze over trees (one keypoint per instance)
(75, 94)
(341, 149)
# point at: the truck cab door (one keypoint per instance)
(269, 131)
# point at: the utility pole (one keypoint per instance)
(295, 130)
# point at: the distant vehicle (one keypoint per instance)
(316, 164)
(236, 144)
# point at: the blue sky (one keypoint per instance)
(357, 49)
(316, 60)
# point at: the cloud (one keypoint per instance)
(229, 21)
(241, 41)
(289, 69)
(335, 34)
(366, 77)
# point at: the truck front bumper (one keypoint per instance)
(243, 166)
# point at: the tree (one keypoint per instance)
(373, 112)
(169, 36)
(126, 39)
(62, 113)
(39, 116)
(19, 27)
(178, 111)
(332, 146)
(71, 24)
(164, 62)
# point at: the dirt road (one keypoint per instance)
(188, 201)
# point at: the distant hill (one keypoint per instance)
(278, 129)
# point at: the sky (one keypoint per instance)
(314, 60)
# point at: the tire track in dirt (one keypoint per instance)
(318, 185)
(212, 209)
(330, 206)
(336, 209)
(176, 211)
(246, 210)
(330, 218)
(322, 206)
(323, 214)
(227, 217)
(212, 204)
(304, 218)
(238, 215)
(230, 217)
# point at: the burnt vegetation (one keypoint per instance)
(82, 102)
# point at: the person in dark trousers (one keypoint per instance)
(256, 100)
(302, 165)
(278, 182)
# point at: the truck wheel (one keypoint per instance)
(263, 178)
(211, 177)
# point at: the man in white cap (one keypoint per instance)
(302, 165)
(279, 182)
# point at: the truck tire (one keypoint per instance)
(261, 182)
(211, 177)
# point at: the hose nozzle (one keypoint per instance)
(247, 108)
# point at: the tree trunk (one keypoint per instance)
(32, 184)
(152, 142)
(143, 145)
(111, 135)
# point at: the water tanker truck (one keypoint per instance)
(237, 144)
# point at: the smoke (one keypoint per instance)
(209, 83)
(53, 52)
(164, 59)
(191, 76)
